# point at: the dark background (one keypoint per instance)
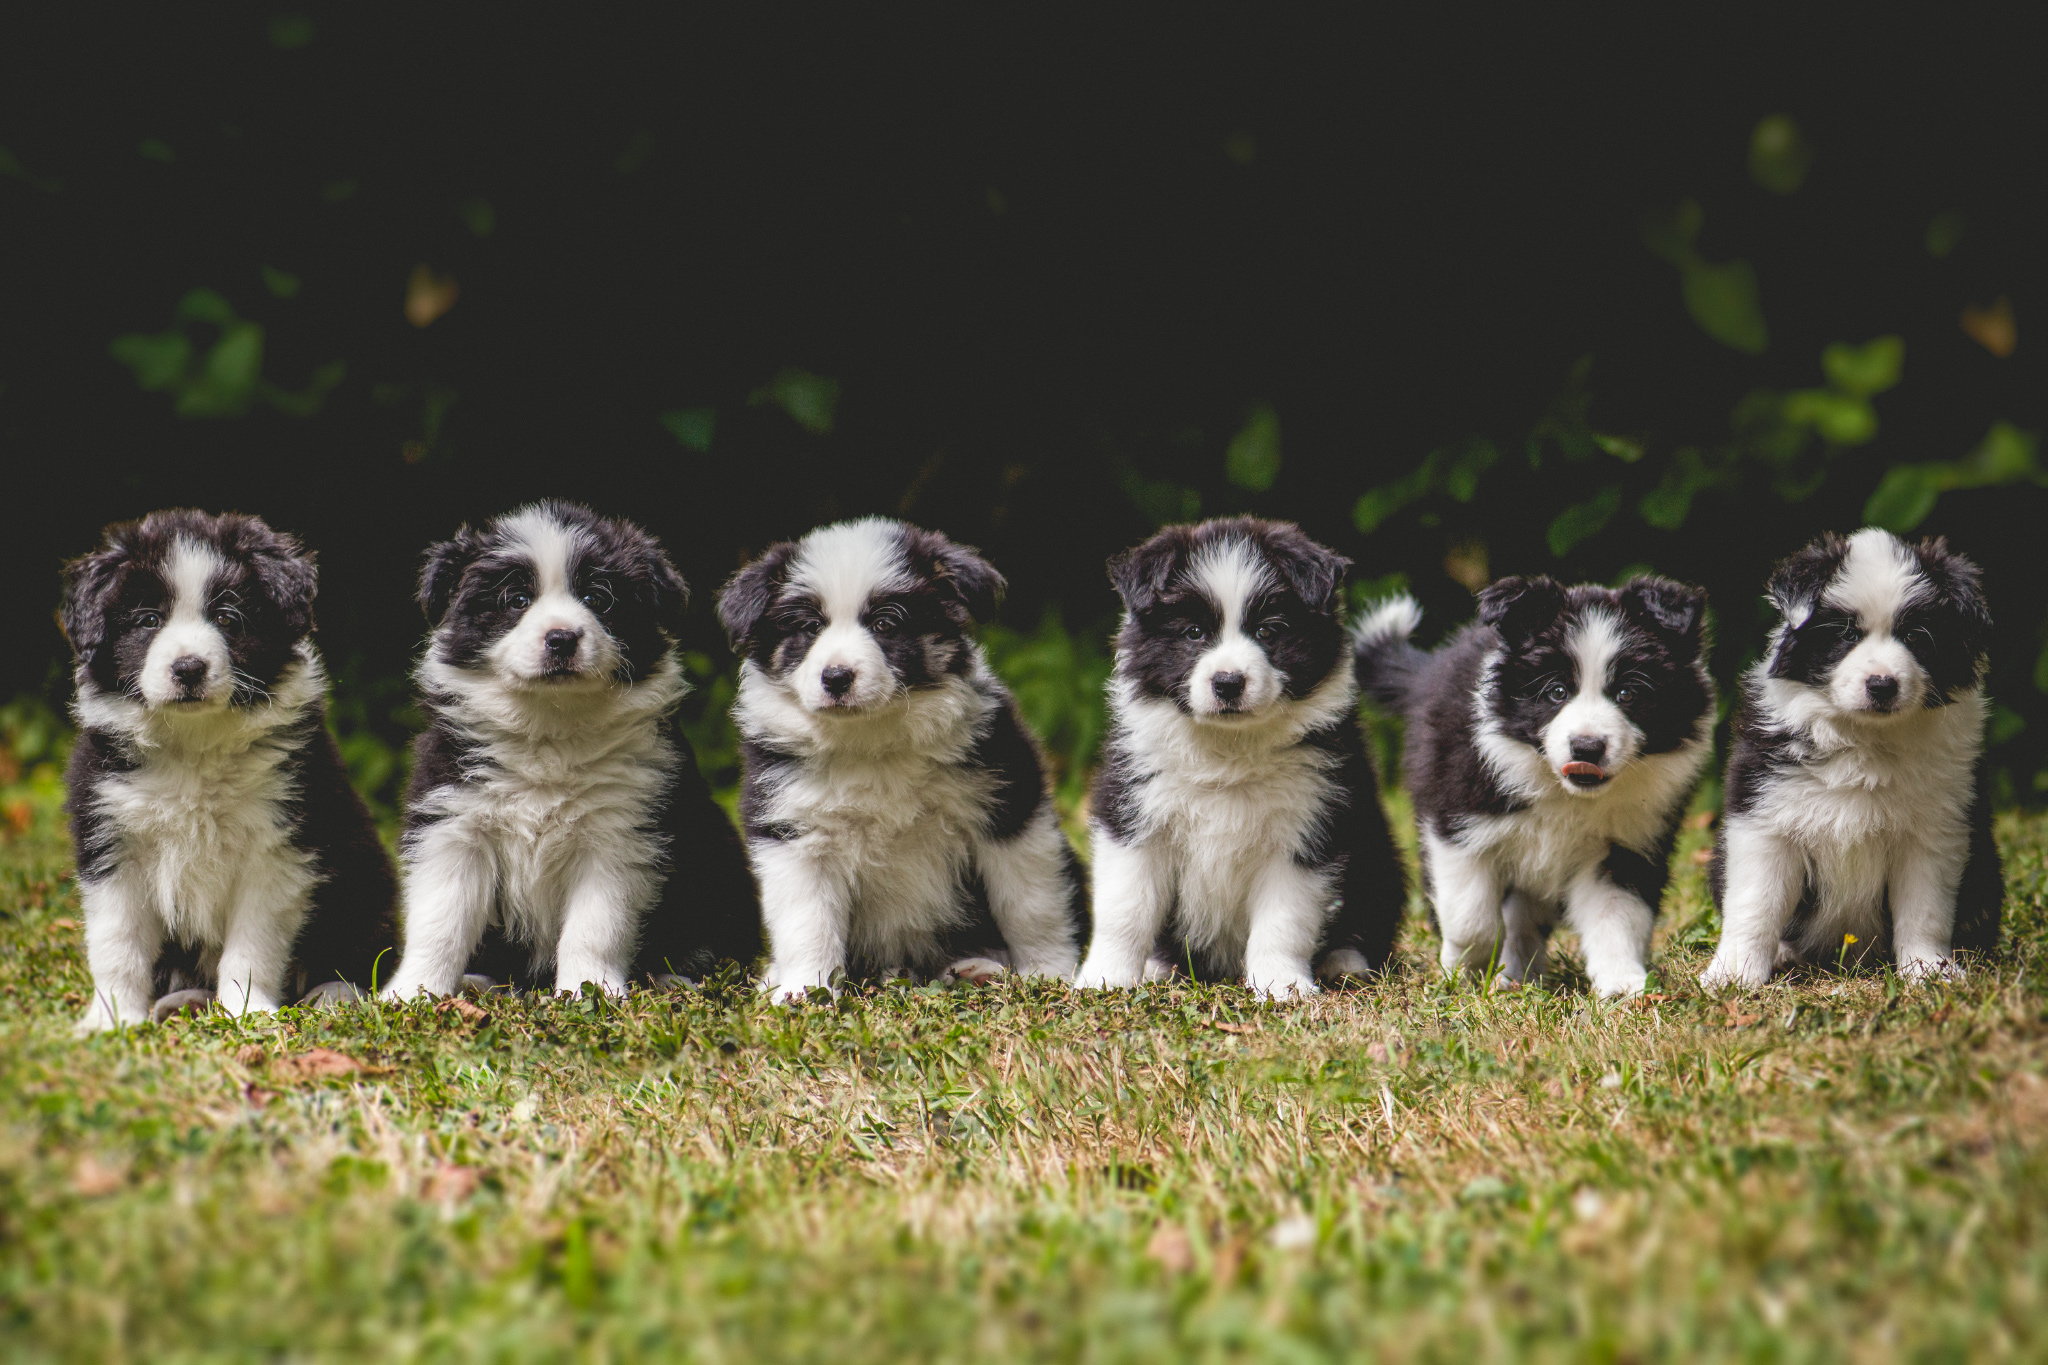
(1051, 262)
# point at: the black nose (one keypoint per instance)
(1588, 748)
(1229, 686)
(1882, 687)
(838, 680)
(562, 644)
(189, 670)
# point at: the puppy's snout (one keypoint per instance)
(837, 680)
(1882, 688)
(561, 644)
(1588, 749)
(189, 671)
(1228, 686)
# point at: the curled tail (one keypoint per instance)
(1387, 664)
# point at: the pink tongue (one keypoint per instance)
(1582, 770)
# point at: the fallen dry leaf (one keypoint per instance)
(456, 1005)
(249, 1054)
(428, 295)
(92, 1177)
(1702, 856)
(1172, 1248)
(1238, 1028)
(321, 1061)
(448, 1183)
(1996, 329)
(1700, 820)
(63, 924)
(257, 1095)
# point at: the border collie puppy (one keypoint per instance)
(895, 803)
(1236, 823)
(1855, 788)
(219, 843)
(1551, 748)
(557, 830)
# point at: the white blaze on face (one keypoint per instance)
(188, 634)
(550, 550)
(1233, 576)
(1591, 717)
(842, 567)
(1878, 580)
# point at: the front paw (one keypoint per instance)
(1056, 966)
(1740, 970)
(181, 1002)
(1290, 985)
(1619, 985)
(1098, 975)
(1928, 971)
(329, 994)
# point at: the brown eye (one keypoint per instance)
(226, 620)
(1624, 695)
(1557, 693)
(148, 620)
(1195, 633)
(517, 600)
(1268, 629)
(598, 597)
(887, 621)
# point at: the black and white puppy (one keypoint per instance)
(1551, 748)
(1855, 787)
(895, 803)
(219, 843)
(1236, 823)
(557, 830)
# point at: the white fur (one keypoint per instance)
(203, 851)
(843, 566)
(550, 546)
(1223, 806)
(188, 631)
(1394, 619)
(1595, 645)
(1233, 576)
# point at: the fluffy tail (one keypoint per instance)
(1386, 662)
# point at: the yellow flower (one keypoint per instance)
(1848, 939)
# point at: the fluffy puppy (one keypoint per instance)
(1855, 787)
(219, 843)
(557, 830)
(894, 801)
(1236, 823)
(1550, 750)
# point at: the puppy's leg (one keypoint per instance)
(1924, 878)
(1614, 926)
(601, 925)
(1765, 874)
(1133, 886)
(270, 905)
(1029, 895)
(1524, 950)
(1467, 896)
(123, 935)
(1289, 904)
(804, 909)
(449, 886)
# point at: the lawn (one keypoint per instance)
(1837, 1168)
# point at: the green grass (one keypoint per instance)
(1838, 1169)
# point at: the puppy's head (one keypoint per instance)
(185, 611)
(858, 613)
(1229, 618)
(552, 596)
(1875, 628)
(1596, 678)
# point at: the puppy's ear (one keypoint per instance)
(1141, 573)
(1797, 583)
(1314, 571)
(979, 586)
(671, 595)
(745, 599)
(284, 569)
(442, 569)
(90, 584)
(1671, 610)
(1958, 590)
(1520, 607)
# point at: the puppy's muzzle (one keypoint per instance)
(837, 680)
(1588, 753)
(1228, 687)
(1883, 691)
(560, 647)
(188, 671)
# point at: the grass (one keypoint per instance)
(1836, 1168)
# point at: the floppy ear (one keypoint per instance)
(1673, 610)
(1519, 607)
(975, 579)
(1315, 572)
(746, 597)
(1797, 583)
(671, 594)
(1958, 589)
(1142, 572)
(441, 572)
(90, 582)
(284, 569)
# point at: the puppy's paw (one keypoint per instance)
(977, 971)
(661, 981)
(181, 1002)
(1340, 963)
(1732, 969)
(1620, 984)
(1282, 986)
(1928, 971)
(328, 994)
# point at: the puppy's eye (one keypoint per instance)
(887, 621)
(1268, 630)
(517, 600)
(1850, 635)
(598, 597)
(802, 625)
(1558, 693)
(148, 620)
(1195, 633)
(226, 619)
(1626, 694)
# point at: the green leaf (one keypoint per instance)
(1904, 497)
(1377, 504)
(227, 376)
(1908, 493)
(1461, 477)
(204, 305)
(158, 361)
(1668, 504)
(1671, 236)
(1841, 419)
(1779, 155)
(1945, 234)
(281, 284)
(1253, 459)
(1723, 300)
(810, 400)
(2005, 455)
(1623, 448)
(1581, 522)
(1864, 370)
(692, 427)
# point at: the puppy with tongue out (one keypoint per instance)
(1551, 748)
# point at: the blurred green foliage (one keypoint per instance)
(225, 378)
(1058, 676)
